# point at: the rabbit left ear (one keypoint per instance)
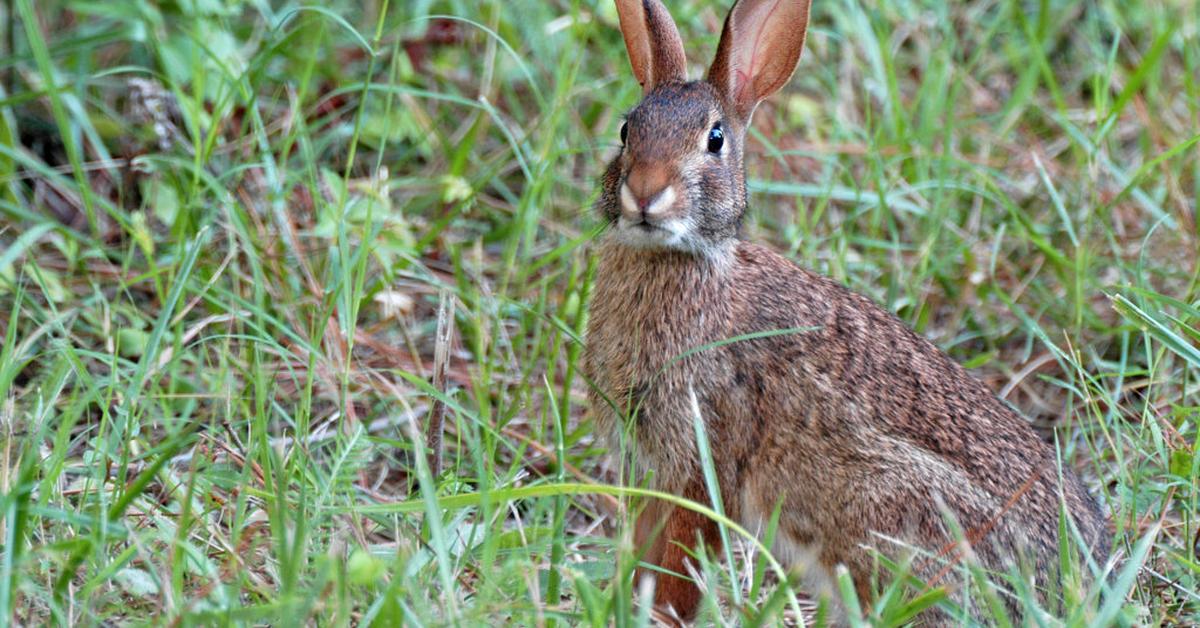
(759, 50)
(655, 48)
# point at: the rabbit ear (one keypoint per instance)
(759, 50)
(655, 49)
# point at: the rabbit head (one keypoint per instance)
(678, 182)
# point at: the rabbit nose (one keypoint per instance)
(646, 208)
(647, 193)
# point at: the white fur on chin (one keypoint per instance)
(676, 234)
(668, 234)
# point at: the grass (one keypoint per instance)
(226, 228)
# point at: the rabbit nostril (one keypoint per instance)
(658, 203)
(636, 205)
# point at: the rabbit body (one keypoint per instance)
(869, 435)
(866, 435)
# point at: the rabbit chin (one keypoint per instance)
(674, 234)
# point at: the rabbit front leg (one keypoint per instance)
(671, 535)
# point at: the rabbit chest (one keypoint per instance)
(652, 315)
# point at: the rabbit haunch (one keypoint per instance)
(867, 435)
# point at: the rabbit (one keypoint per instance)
(867, 437)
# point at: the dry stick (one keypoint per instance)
(441, 364)
(974, 536)
(548, 452)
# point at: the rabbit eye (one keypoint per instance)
(624, 131)
(716, 139)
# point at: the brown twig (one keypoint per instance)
(974, 536)
(441, 365)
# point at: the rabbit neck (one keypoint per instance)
(650, 306)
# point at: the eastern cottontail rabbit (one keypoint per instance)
(870, 436)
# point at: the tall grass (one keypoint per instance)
(226, 226)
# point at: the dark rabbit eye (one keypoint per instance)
(716, 139)
(624, 131)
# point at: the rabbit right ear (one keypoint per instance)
(760, 47)
(655, 48)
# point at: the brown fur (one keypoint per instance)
(865, 431)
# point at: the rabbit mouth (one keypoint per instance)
(654, 221)
(646, 227)
(670, 233)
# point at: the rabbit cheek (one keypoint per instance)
(608, 205)
(717, 208)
